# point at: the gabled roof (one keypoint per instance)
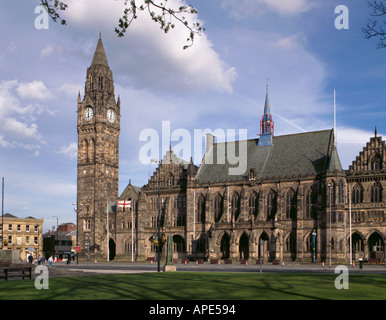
(8, 215)
(290, 155)
(130, 191)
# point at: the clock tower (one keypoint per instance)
(98, 155)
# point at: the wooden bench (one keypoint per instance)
(228, 261)
(150, 259)
(376, 261)
(258, 261)
(244, 261)
(200, 261)
(15, 272)
(275, 262)
(214, 261)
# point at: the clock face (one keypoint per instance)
(88, 114)
(111, 116)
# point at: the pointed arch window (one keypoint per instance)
(201, 209)
(340, 192)
(253, 204)
(333, 191)
(376, 163)
(291, 205)
(291, 243)
(357, 194)
(235, 206)
(218, 207)
(310, 204)
(100, 83)
(376, 192)
(271, 205)
(170, 180)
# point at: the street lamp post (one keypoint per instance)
(2, 215)
(76, 209)
(37, 255)
(159, 219)
(57, 235)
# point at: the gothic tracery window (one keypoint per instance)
(376, 192)
(218, 207)
(271, 206)
(291, 204)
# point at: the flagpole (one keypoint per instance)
(132, 233)
(335, 133)
(349, 206)
(2, 216)
(108, 251)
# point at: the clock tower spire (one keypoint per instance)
(98, 154)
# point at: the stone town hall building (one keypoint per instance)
(293, 185)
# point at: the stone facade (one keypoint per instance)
(23, 235)
(98, 154)
(293, 185)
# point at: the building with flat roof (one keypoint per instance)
(23, 234)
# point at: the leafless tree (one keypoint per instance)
(375, 27)
(159, 11)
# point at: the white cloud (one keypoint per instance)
(70, 151)
(71, 89)
(5, 144)
(18, 120)
(293, 42)
(34, 90)
(146, 57)
(247, 8)
(22, 130)
(47, 51)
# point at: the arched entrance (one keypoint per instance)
(376, 246)
(244, 247)
(263, 247)
(224, 247)
(111, 249)
(179, 247)
(357, 246)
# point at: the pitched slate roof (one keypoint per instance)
(290, 155)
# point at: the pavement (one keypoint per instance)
(61, 269)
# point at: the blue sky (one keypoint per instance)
(217, 83)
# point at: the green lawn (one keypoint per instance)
(198, 285)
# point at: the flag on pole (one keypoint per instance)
(124, 204)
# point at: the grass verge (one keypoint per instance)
(199, 286)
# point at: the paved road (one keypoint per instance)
(125, 267)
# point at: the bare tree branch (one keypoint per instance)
(167, 17)
(374, 28)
